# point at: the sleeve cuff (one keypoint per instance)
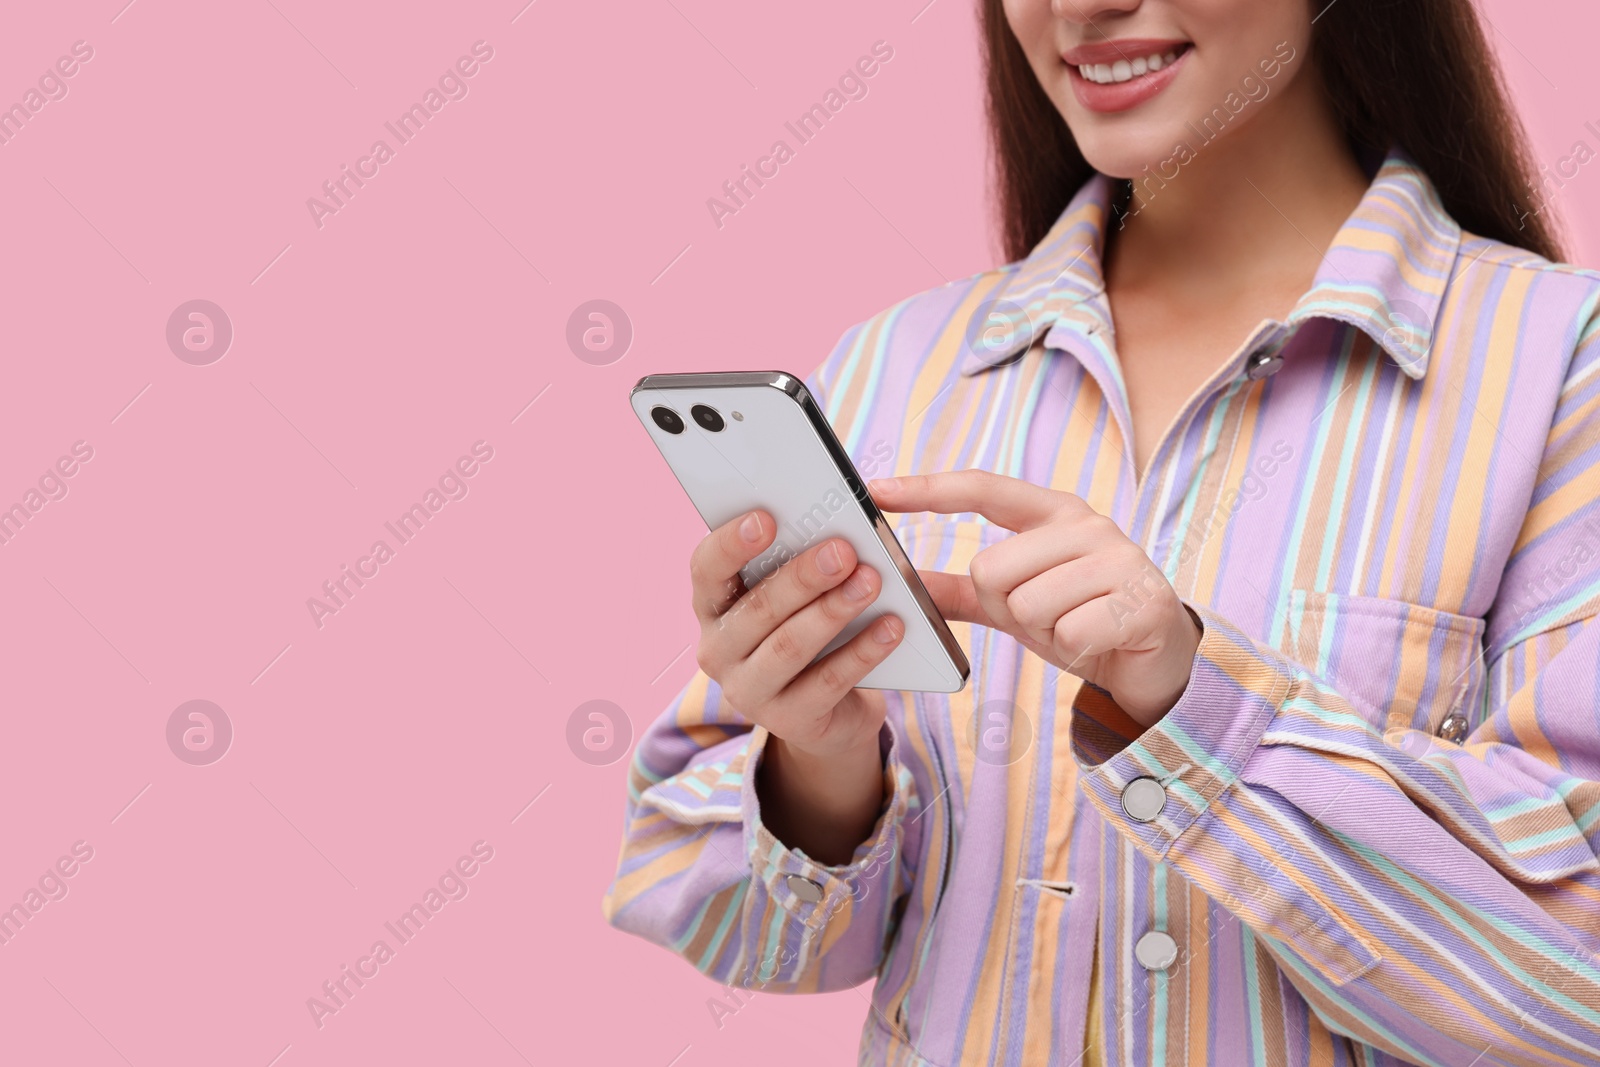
(1195, 751)
(811, 892)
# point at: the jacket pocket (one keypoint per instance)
(1418, 676)
(1404, 666)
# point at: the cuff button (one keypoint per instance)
(1143, 799)
(804, 888)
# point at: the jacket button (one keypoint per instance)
(1454, 728)
(1156, 951)
(804, 888)
(1263, 365)
(1143, 799)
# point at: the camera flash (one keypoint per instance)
(736, 416)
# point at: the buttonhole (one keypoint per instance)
(1168, 779)
(1063, 890)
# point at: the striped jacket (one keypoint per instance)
(1377, 804)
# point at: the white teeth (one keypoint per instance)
(1124, 70)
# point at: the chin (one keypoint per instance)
(1123, 144)
(1126, 153)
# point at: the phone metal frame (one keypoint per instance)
(795, 388)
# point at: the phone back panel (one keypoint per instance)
(776, 452)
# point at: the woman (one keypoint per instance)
(1262, 492)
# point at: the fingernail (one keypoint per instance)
(828, 561)
(884, 485)
(856, 587)
(750, 528)
(884, 632)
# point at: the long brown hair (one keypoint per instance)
(1413, 73)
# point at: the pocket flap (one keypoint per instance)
(1405, 666)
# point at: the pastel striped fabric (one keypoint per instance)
(1383, 781)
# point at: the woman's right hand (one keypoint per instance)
(758, 644)
(822, 779)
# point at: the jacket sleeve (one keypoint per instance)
(1438, 901)
(700, 873)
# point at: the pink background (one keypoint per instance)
(368, 354)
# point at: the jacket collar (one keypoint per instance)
(1384, 274)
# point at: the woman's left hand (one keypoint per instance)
(1070, 586)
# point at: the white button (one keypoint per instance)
(1263, 366)
(1143, 799)
(804, 888)
(1156, 951)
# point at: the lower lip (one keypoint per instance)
(1120, 96)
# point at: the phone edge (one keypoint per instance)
(886, 537)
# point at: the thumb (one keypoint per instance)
(955, 597)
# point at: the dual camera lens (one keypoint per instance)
(706, 418)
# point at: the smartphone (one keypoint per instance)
(746, 440)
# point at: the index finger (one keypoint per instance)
(716, 561)
(1009, 502)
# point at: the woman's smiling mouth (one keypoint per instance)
(1122, 70)
(1117, 75)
